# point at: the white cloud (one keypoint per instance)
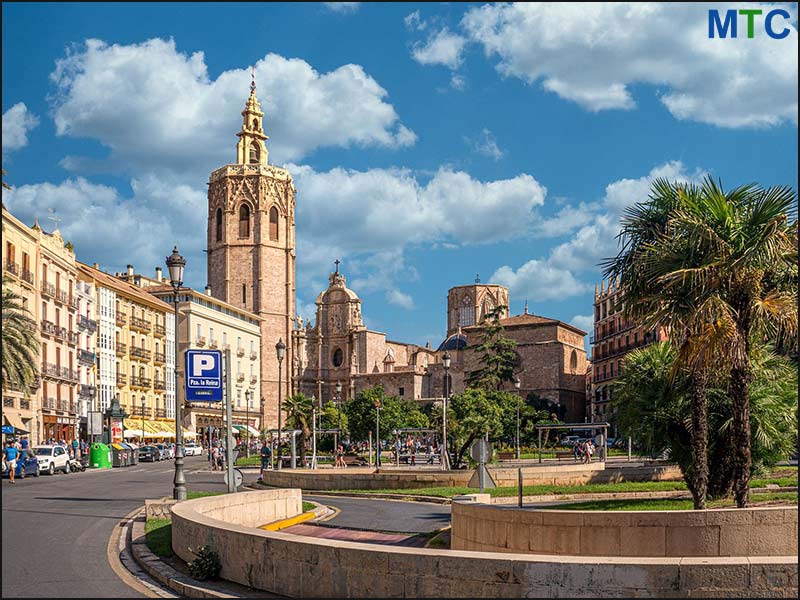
(17, 122)
(414, 21)
(342, 7)
(537, 281)
(458, 82)
(585, 322)
(486, 144)
(157, 110)
(565, 221)
(398, 298)
(442, 48)
(593, 53)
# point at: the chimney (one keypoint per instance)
(96, 266)
(208, 290)
(130, 270)
(158, 274)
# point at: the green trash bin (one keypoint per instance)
(99, 456)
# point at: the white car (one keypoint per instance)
(52, 459)
(192, 449)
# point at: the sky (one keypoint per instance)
(430, 144)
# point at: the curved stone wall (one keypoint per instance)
(768, 531)
(300, 567)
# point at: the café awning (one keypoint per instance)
(12, 417)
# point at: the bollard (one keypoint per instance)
(519, 485)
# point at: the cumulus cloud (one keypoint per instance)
(17, 122)
(538, 280)
(157, 109)
(585, 322)
(594, 53)
(342, 7)
(398, 298)
(415, 22)
(441, 48)
(486, 144)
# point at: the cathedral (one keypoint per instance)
(251, 265)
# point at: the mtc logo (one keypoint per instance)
(716, 24)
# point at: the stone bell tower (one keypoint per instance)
(251, 248)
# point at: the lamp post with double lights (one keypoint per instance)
(144, 399)
(517, 384)
(280, 350)
(175, 266)
(378, 434)
(445, 457)
(247, 421)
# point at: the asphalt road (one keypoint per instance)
(55, 530)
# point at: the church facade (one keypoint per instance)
(251, 265)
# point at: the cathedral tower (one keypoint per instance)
(469, 304)
(251, 247)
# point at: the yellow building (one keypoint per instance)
(135, 348)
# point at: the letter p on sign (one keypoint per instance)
(201, 363)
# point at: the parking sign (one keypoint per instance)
(203, 376)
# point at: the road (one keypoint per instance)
(55, 530)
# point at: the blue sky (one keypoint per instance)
(429, 142)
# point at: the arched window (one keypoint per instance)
(219, 224)
(255, 152)
(255, 124)
(273, 224)
(573, 362)
(244, 221)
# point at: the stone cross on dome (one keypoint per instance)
(252, 79)
(337, 262)
(477, 278)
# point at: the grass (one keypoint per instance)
(308, 506)
(669, 503)
(193, 495)
(158, 534)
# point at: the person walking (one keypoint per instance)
(576, 450)
(10, 455)
(266, 457)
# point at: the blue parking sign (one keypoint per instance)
(203, 376)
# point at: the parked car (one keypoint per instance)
(568, 440)
(162, 450)
(27, 464)
(192, 449)
(52, 459)
(148, 454)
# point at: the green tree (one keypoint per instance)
(498, 356)
(477, 412)
(360, 412)
(298, 410)
(20, 342)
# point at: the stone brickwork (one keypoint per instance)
(768, 531)
(297, 566)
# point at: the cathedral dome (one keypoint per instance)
(457, 341)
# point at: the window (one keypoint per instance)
(244, 221)
(251, 346)
(273, 224)
(466, 314)
(251, 370)
(219, 224)
(338, 357)
(211, 334)
(199, 331)
(573, 362)
(401, 391)
(58, 318)
(238, 367)
(44, 311)
(244, 294)
(9, 252)
(255, 124)
(239, 343)
(255, 152)
(224, 338)
(238, 397)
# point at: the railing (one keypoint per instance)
(62, 297)
(49, 403)
(87, 391)
(201, 341)
(140, 382)
(212, 344)
(240, 377)
(51, 370)
(74, 302)
(73, 406)
(73, 337)
(48, 327)
(70, 374)
(62, 405)
(121, 318)
(160, 330)
(253, 355)
(240, 352)
(122, 379)
(253, 379)
(87, 323)
(140, 324)
(27, 276)
(161, 413)
(25, 404)
(140, 412)
(122, 348)
(140, 353)
(86, 358)
(160, 357)
(159, 384)
(48, 289)
(9, 402)
(12, 267)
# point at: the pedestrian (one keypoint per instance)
(340, 456)
(214, 457)
(10, 455)
(266, 457)
(576, 450)
(76, 452)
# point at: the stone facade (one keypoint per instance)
(251, 247)
(468, 305)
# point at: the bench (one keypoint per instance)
(354, 460)
(506, 455)
(419, 459)
(564, 454)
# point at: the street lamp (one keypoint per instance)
(378, 434)
(280, 350)
(247, 421)
(175, 266)
(143, 401)
(445, 458)
(517, 384)
(339, 411)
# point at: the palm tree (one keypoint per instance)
(20, 342)
(298, 410)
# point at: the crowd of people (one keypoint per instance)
(583, 450)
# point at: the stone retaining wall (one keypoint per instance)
(768, 531)
(300, 567)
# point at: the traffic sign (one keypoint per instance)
(481, 451)
(237, 478)
(203, 376)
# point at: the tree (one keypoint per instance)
(498, 354)
(477, 412)
(20, 342)
(298, 410)
(396, 413)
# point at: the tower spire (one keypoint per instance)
(252, 80)
(252, 148)
(526, 306)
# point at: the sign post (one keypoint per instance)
(481, 452)
(229, 458)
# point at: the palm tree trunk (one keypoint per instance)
(699, 409)
(740, 398)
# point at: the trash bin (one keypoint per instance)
(128, 457)
(99, 456)
(134, 456)
(119, 455)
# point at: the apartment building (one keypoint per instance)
(87, 352)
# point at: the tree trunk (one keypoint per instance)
(720, 478)
(740, 398)
(699, 409)
(460, 455)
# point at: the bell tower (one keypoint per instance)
(251, 248)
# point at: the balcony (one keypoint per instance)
(12, 268)
(74, 302)
(161, 413)
(86, 323)
(240, 352)
(122, 348)
(159, 330)
(121, 319)
(27, 276)
(140, 382)
(62, 297)
(240, 377)
(140, 353)
(159, 384)
(122, 379)
(48, 327)
(48, 289)
(201, 341)
(140, 411)
(213, 344)
(226, 347)
(160, 357)
(253, 379)
(73, 338)
(70, 374)
(62, 405)
(86, 358)
(253, 355)
(51, 371)
(140, 324)
(87, 391)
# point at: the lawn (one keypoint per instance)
(670, 503)
(158, 534)
(308, 506)
(193, 495)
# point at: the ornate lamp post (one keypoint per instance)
(175, 265)
(517, 384)
(445, 457)
(247, 421)
(280, 350)
(143, 401)
(339, 411)
(378, 435)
